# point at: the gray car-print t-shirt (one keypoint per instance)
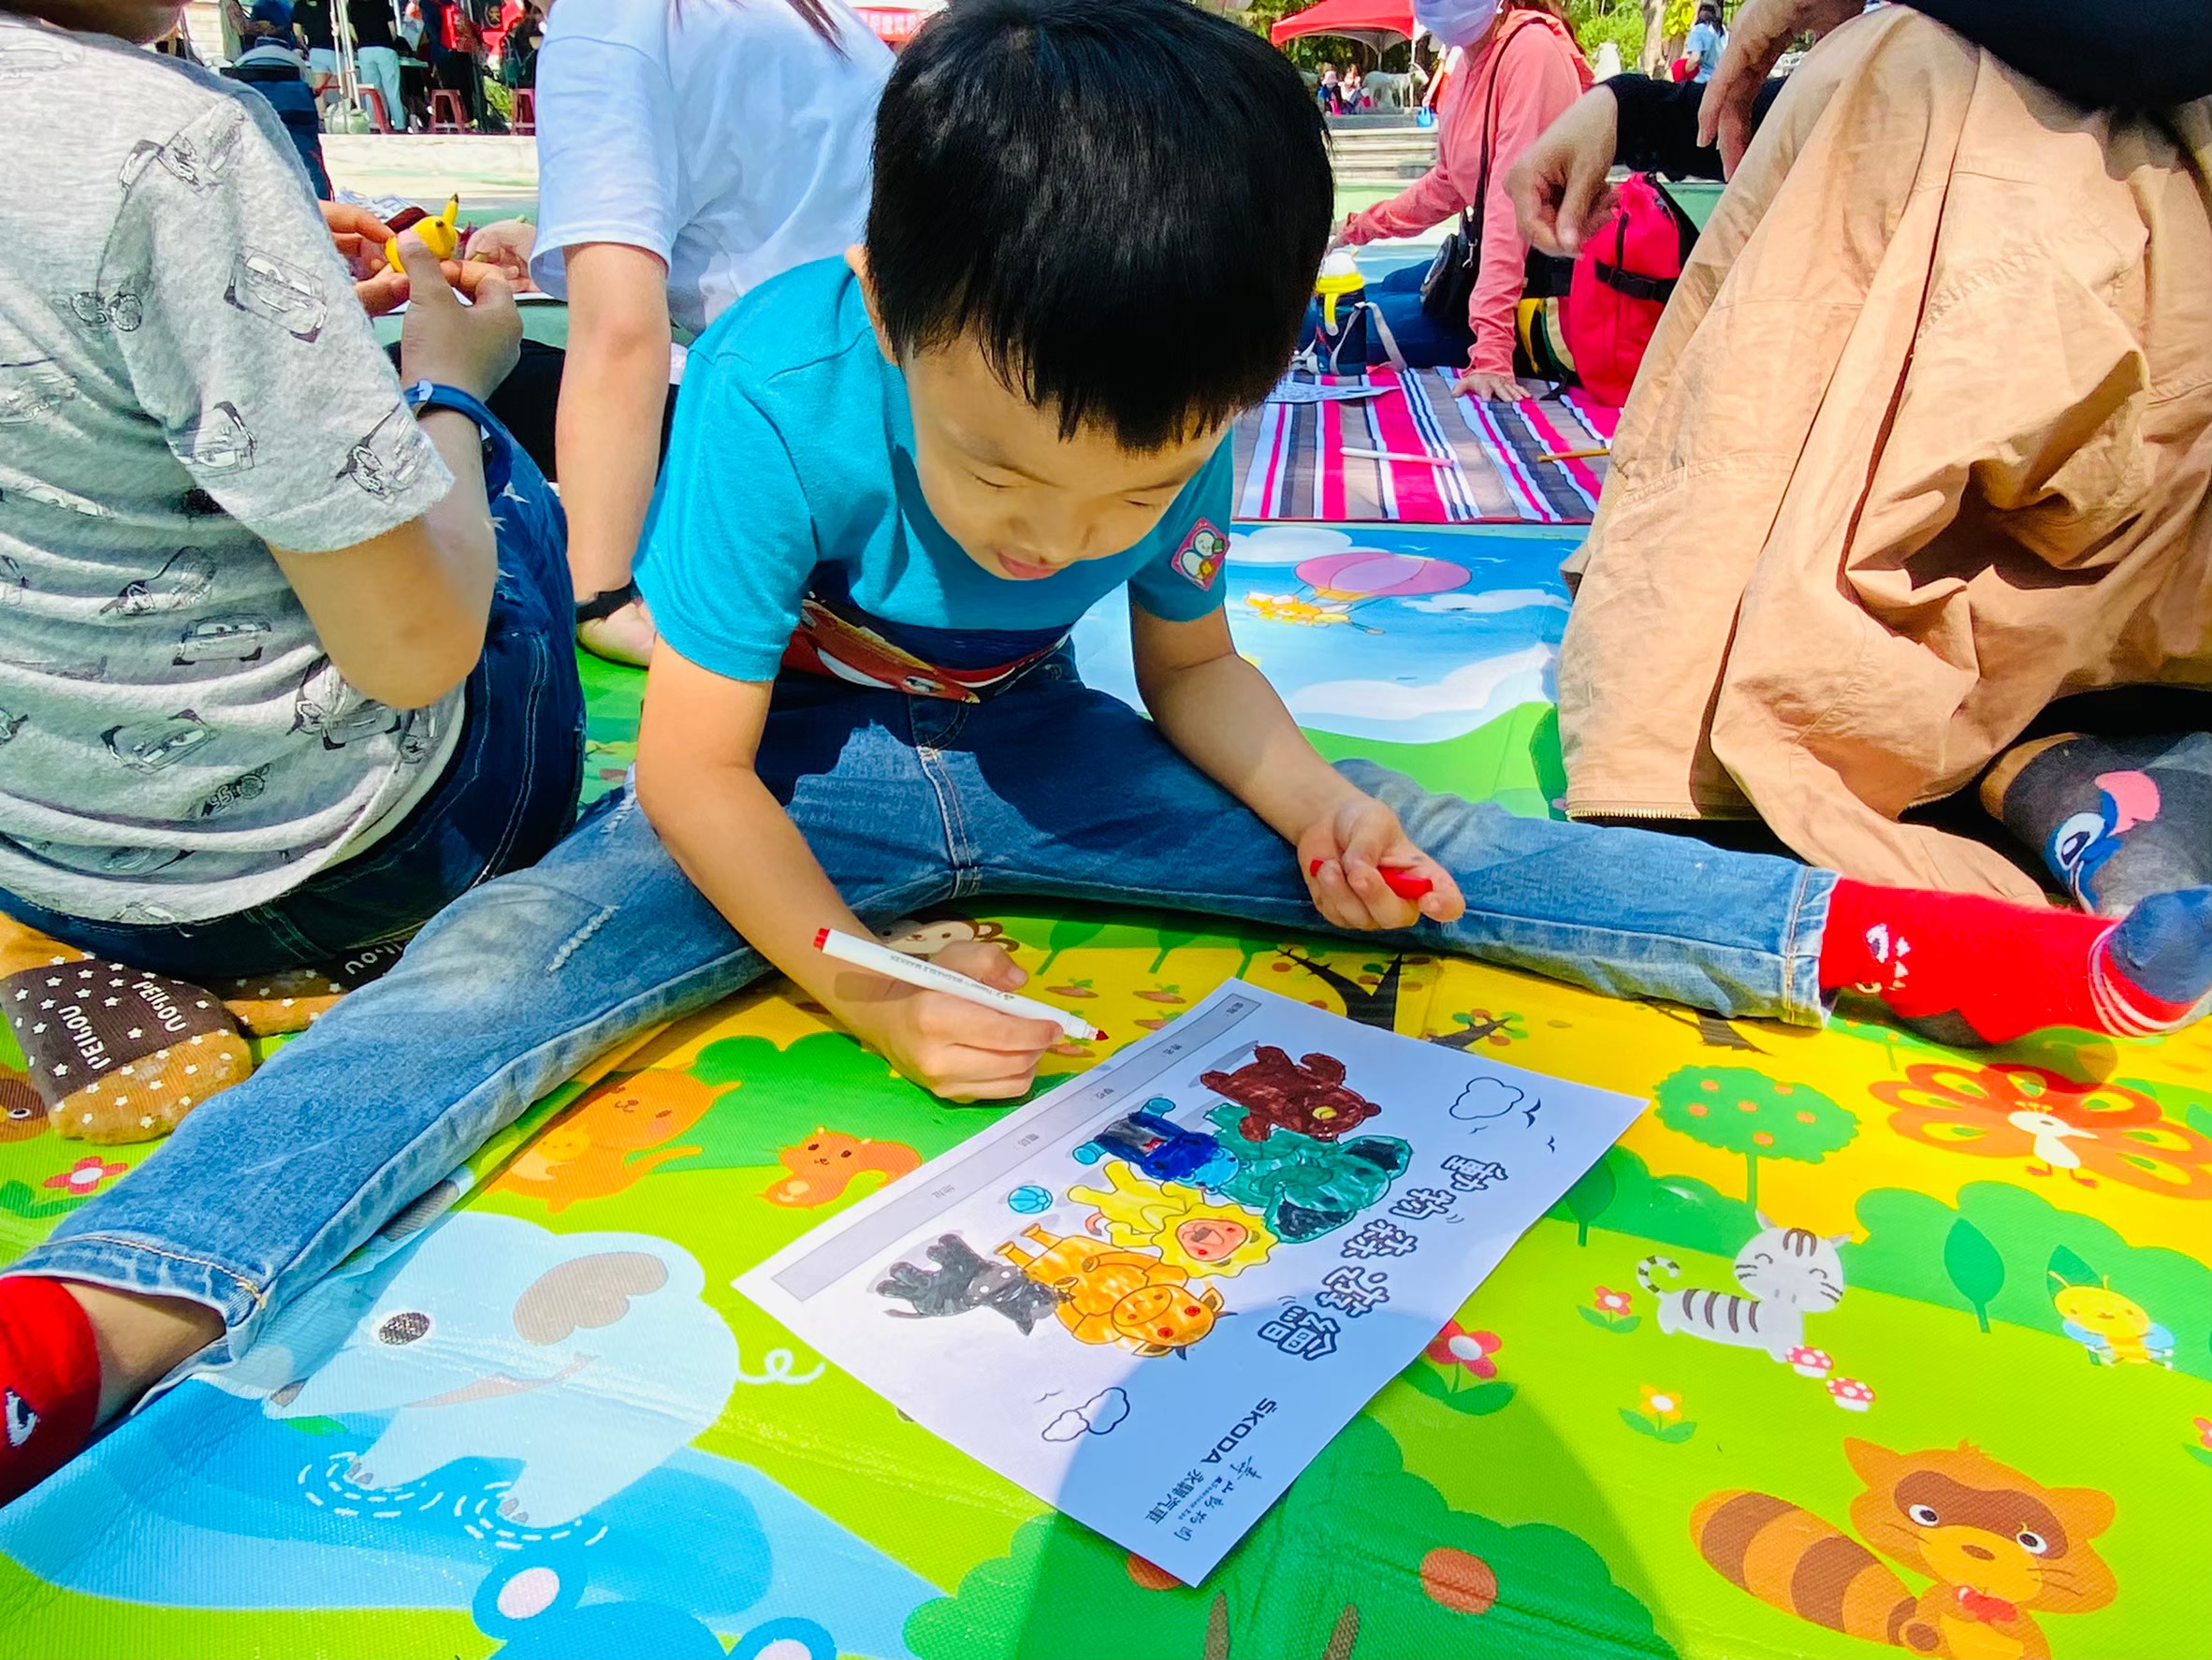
(185, 379)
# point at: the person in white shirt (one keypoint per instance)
(688, 150)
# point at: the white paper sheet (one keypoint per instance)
(1212, 1291)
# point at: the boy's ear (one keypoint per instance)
(856, 260)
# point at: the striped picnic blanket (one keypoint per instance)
(1416, 454)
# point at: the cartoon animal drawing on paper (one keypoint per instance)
(587, 1357)
(610, 1138)
(1160, 1148)
(1306, 1187)
(824, 1165)
(1786, 1274)
(1128, 1298)
(2116, 1330)
(1199, 1235)
(1308, 1095)
(1999, 1547)
(961, 1281)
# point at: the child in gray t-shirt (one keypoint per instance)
(275, 683)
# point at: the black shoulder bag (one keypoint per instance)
(1449, 286)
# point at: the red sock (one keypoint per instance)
(49, 1381)
(2004, 969)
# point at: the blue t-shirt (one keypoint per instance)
(1707, 42)
(790, 531)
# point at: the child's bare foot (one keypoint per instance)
(71, 1357)
(623, 635)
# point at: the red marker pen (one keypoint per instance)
(1405, 883)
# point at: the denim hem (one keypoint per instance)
(120, 1263)
(1802, 1003)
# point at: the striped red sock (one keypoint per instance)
(49, 1381)
(2008, 970)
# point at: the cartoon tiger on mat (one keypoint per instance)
(2000, 1546)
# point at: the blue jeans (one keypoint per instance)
(507, 795)
(1425, 342)
(1051, 790)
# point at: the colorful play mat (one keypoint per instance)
(1995, 1442)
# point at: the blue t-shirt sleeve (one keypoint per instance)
(1185, 581)
(729, 544)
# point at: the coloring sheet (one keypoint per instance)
(1152, 1296)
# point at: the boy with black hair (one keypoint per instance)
(895, 483)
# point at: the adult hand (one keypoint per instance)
(1756, 39)
(507, 245)
(1341, 855)
(951, 1047)
(1558, 183)
(1341, 237)
(359, 236)
(1492, 388)
(470, 346)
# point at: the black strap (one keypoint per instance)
(1634, 283)
(605, 602)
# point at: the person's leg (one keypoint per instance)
(1424, 341)
(505, 995)
(1126, 820)
(1624, 912)
(380, 68)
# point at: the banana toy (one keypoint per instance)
(441, 236)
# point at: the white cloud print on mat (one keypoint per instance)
(1100, 1415)
(1466, 698)
(1285, 545)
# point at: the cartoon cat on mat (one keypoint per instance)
(1786, 1273)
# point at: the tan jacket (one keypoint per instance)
(1922, 442)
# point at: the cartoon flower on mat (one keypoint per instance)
(1611, 1311)
(2061, 1127)
(1455, 1345)
(1662, 1416)
(85, 1175)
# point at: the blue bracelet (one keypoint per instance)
(499, 452)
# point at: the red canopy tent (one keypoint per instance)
(1374, 23)
(896, 23)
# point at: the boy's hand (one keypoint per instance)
(471, 346)
(359, 236)
(1343, 855)
(952, 1048)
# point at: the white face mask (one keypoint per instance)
(1455, 23)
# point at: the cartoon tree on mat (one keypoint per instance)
(1360, 1557)
(1480, 1025)
(1739, 1110)
(1373, 1005)
(1067, 934)
(1587, 1200)
(1974, 1267)
(1171, 939)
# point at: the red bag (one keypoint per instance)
(1622, 282)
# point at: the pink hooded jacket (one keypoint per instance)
(1536, 80)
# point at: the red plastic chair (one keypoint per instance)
(380, 119)
(448, 114)
(526, 111)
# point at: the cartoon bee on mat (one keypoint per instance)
(2116, 1330)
